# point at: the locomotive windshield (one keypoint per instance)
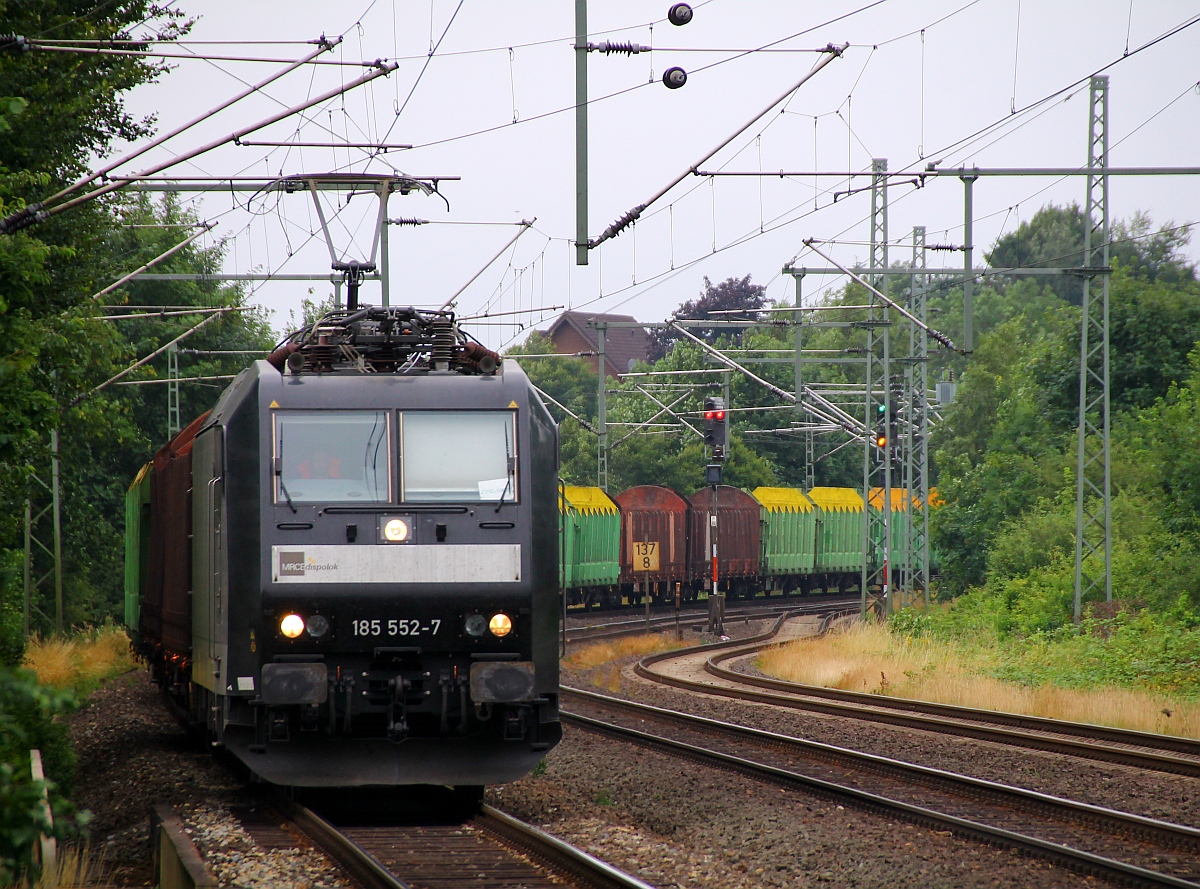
(324, 456)
(458, 455)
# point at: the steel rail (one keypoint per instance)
(558, 855)
(356, 861)
(1088, 731)
(764, 611)
(1075, 859)
(1071, 739)
(1180, 837)
(553, 854)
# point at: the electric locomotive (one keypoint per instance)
(370, 521)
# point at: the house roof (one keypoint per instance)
(621, 344)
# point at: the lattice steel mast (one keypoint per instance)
(1093, 470)
(877, 462)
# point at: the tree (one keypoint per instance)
(732, 294)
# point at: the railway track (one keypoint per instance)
(1105, 843)
(697, 618)
(440, 843)
(1143, 750)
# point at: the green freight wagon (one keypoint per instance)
(789, 538)
(839, 530)
(590, 546)
(900, 535)
(137, 546)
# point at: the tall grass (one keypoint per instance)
(603, 657)
(869, 658)
(594, 654)
(82, 661)
(73, 868)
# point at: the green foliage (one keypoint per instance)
(12, 621)
(27, 721)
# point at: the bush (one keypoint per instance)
(27, 721)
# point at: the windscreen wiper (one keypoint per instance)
(508, 462)
(282, 486)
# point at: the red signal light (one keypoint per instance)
(708, 415)
(720, 415)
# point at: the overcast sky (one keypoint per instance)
(991, 83)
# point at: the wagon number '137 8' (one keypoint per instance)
(645, 556)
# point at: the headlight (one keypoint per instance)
(396, 530)
(292, 625)
(475, 625)
(318, 626)
(500, 624)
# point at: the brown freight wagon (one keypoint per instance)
(654, 545)
(166, 609)
(739, 539)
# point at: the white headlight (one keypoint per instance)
(292, 625)
(500, 624)
(396, 530)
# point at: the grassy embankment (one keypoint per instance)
(607, 658)
(1135, 671)
(80, 662)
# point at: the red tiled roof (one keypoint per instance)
(622, 345)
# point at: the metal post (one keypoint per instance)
(385, 283)
(798, 375)
(57, 512)
(968, 181)
(337, 293)
(581, 134)
(174, 422)
(916, 467)
(1093, 479)
(28, 561)
(877, 467)
(716, 600)
(725, 395)
(601, 411)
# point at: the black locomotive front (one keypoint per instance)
(374, 560)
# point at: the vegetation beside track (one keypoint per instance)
(1134, 670)
(606, 657)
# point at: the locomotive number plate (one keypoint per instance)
(397, 627)
(645, 556)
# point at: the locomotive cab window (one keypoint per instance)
(459, 456)
(332, 456)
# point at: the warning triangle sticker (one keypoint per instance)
(512, 404)
(274, 403)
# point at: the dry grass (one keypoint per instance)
(74, 868)
(596, 653)
(867, 658)
(604, 657)
(79, 661)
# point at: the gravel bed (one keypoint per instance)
(670, 822)
(134, 754)
(233, 857)
(1152, 794)
(677, 824)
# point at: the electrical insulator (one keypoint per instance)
(674, 78)
(679, 14)
(608, 47)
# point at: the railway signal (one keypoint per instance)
(714, 426)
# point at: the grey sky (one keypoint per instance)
(919, 78)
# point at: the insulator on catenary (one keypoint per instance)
(608, 47)
(405, 220)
